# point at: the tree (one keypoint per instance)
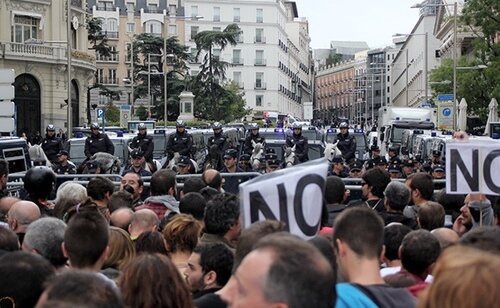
(333, 59)
(141, 112)
(112, 113)
(210, 95)
(177, 56)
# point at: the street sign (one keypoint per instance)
(99, 113)
(445, 115)
(445, 97)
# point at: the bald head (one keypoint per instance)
(6, 203)
(143, 220)
(21, 214)
(212, 178)
(122, 218)
(445, 236)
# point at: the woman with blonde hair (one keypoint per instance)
(464, 277)
(181, 234)
(121, 252)
(152, 280)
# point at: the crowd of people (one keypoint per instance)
(166, 245)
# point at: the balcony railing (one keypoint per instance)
(110, 34)
(151, 10)
(260, 62)
(77, 3)
(108, 81)
(259, 85)
(237, 61)
(108, 8)
(260, 39)
(240, 84)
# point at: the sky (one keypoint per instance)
(372, 21)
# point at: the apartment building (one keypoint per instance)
(33, 42)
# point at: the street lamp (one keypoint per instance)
(454, 55)
(131, 79)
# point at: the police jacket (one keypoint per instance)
(145, 143)
(301, 146)
(51, 147)
(248, 147)
(347, 145)
(98, 143)
(181, 143)
(220, 140)
(68, 169)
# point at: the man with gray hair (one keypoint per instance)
(142, 221)
(20, 215)
(44, 237)
(397, 196)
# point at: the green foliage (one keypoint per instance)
(141, 112)
(212, 100)
(333, 59)
(145, 44)
(97, 38)
(112, 113)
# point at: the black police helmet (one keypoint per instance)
(51, 128)
(94, 126)
(39, 181)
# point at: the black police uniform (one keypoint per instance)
(221, 140)
(181, 143)
(145, 143)
(347, 145)
(231, 184)
(51, 146)
(301, 146)
(248, 147)
(98, 143)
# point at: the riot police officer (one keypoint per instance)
(299, 141)
(51, 144)
(253, 136)
(98, 142)
(39, 182)
(143, 142)
(346, 143)
(180, 142)
(219, 138)
(394, 155)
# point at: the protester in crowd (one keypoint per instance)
(121, 218)
(51, 144)
(98, 142)
(194, 204)
(419, 251)
(44, 237)
(396, 199)
(451, 203)
(163, 192)
(393, 237)
(212, 178)
(68, 195)
(143, 220)
(137, 163)
(335, 196)
(86, 241)
(421, 190)
(8, 240)
(446, 237)
(151, 242)
(475, 212)
(248, 238)
(209, 268)
(4, 175)
(222, 221)
(496, 212)
(285, 271)
(121, 253)
(464, 277)
(133, 183)
(485, 238)
(231, 166)
(77, 288)
(358, 239)
(373, 184)
(22, 278)
(152, 280)
(430, 216)
(100, 189)
(192, 185)
(181, 235)
(38, 183)
(20, 216)
(120, 199)
(299, 141)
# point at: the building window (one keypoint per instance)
(259, 36)
(194, 51)
(25, 28)
(172, 30)
(237, 56)
(260, 15)
(259, 80)
(130, 27)
(112, 76)
(130, 7)
(258, 100)
(259, 57)
(216, 13)
(112, 25)
(216, 53)
(152, 27)
(172, 9)
(153, 8)
(100, 75)
(237, 78)
(194, 11)
(194, 31)
(236, 14)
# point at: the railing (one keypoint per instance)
(43, 52)
(260, 39)
(153, 11)
(260, 86)
(111, 34)
(106, 80)
(237, 61)
(260, 62)
(108, 8)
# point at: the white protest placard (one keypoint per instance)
(292, 195)
(473, 167)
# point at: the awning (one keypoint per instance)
(29, 14)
